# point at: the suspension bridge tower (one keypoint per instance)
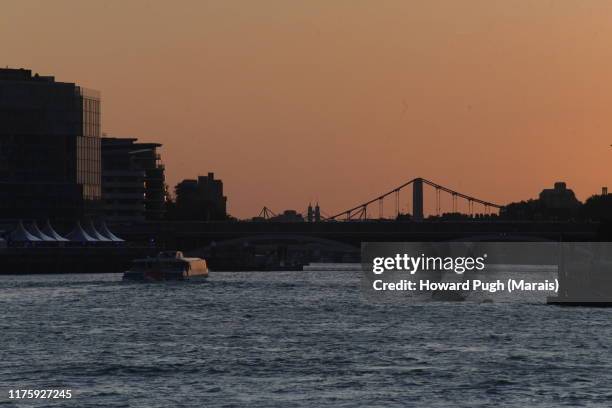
(417, 199)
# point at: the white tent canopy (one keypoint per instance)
(90, 229)
(20, 234)
(49, 231)
(33, 228)
(103, 228)
(79, 235)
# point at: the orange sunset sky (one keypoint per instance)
(293, 101)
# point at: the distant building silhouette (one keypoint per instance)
(49, 147)
(559, 197)
(133, 180)
(554, 204)
(288, 216)
(314, 214)
(200, 199)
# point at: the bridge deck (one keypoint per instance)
(196, 234)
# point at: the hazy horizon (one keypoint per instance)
(338, 101)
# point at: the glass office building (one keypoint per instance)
(88, 146)
(49, 147)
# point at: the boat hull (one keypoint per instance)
(578, 302)
(161, 276)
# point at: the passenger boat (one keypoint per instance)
(166, 266)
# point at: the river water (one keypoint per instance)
(291, 339)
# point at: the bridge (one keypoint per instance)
(361, 211)
(265, 243)
(188, 235)
(355, 225)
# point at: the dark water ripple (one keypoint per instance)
(291, 340)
